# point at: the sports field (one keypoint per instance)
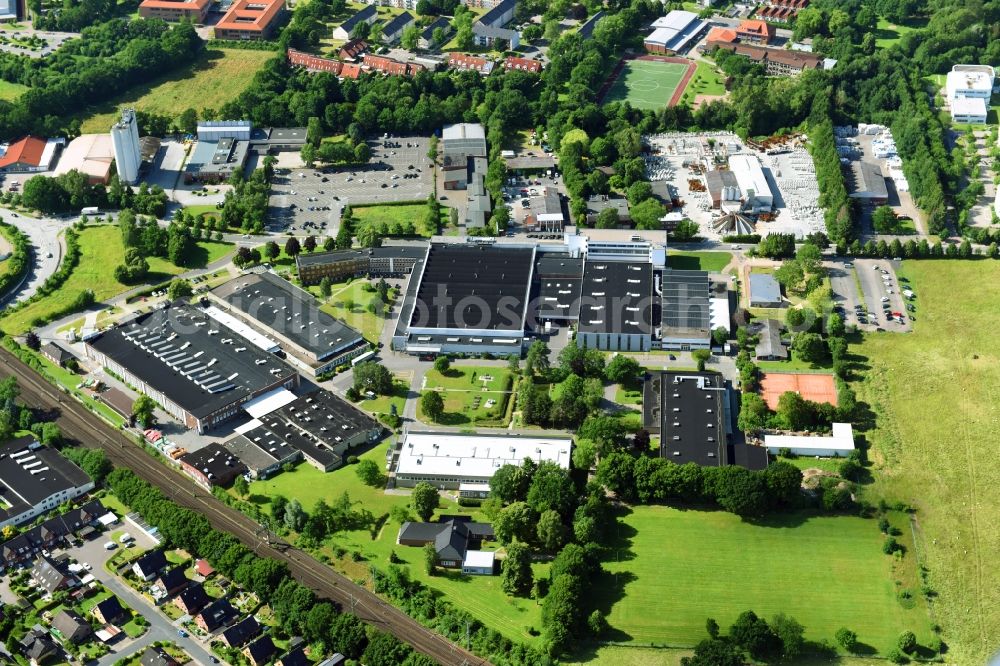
(647, 84)
(936, 396)
(678, 567)
(815, 387)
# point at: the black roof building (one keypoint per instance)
(56, 353)
(36, 645)
(27, 544)
(451, 538)
(440, 22)
(216, 615)
(494, 16)
(150, 564)
(686, 313)
(293, 314)
(559, 280)
(474, 286)
(323, 258)
(213, 465)
(395, 26)
(617, 298)
(241, 632)
(261, 650)
(110, 610)
(48, 575)
(185, 358)
(173, 580)
(193, 598)
(157, 656)
(366, 14)
(296, 657)
(34, 479)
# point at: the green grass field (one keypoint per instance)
(936, 393)
(465, 395)
(673, 569)
(887, 34)
(217, 77)
(706, 81)
(646, 84)
(357, 316)
(390, 215)
(11, 91)
(100, 252)
(713, 262)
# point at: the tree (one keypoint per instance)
(647, 215)
(551, 488)
(442, 364)
(784, 481)
(424, 500)
(622, 369)
(740, 491)
(701, 356)
(241, 486)
(324, 287)
(794, 411)
(515, 577)
(789, 632)
(686, 230)
(179, 289)
(372, 376)
(720, 335)
(292, 247)
(794, 317)
(142, 410)
(516, 522)
(809, 347)
(835, 325)
(754, 413)
(884, 220)
(271, 250)
(295, 516)
(432, 405)
(510, 483)
(550, 531)
(597, 623)
(907, 642)
(847, 639)
(188, 121)
(309, 244)
(32, 341)
(712, 627)
(753, 634)
(537, 359)
(715, 652)
(607, 218)
(430, 558)
(369, 472)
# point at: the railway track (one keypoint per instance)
(87, 429)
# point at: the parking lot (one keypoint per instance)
(882, 297)
(25, 42)
(310, 200)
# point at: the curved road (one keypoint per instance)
(79, 424)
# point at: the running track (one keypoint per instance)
(80, 425)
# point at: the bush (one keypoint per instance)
(891, 546)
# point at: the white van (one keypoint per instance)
(110, 545)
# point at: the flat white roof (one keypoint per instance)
(676, 20)
(474, 487)
(463, 131)
(234, 324)
(965, 79)
(267, 403)
(718, 309)
(475, 456)
(749, 175)
(841, 439)
(248, 426)
(479, 558)
(968, 106)
(108, 519)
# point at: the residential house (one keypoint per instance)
(296, 657)
(242, 632)
(453, 540)
(55, 353)
(47, 535)
(426, 40)
(216, 615)
(150, 565)
(352, 49)
(203, 568)
(465, 62)
(392, 31)
(172, 581)
(157, 656)
(261, 651)
(48, 575)
(522, 64)
(367, 15)
(109, 611)
(336, 659)
(37, 645)
(73, 628)
(192, 599)
(770, 347)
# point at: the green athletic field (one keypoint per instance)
(671, 569)
(646, 84)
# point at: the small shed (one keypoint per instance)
(479, 563)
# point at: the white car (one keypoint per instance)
(885, 299)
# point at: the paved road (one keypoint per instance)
(45, 241)
(86, 428)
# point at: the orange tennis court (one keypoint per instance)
(815, 387)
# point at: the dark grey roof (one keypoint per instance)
(215, 462)
(71, 626)
(400, 251)
(36, 644)
(194, 597)
(481, 287)
(296, 657)
(868, 179)
(764, 289)
(262, 649)
(587, 29)
(46, 574)
(617, 298)
(439, 22)
(494, 15)
(335, 660)
(331, 421)
(110, 609)
(173, 579)
(749, 456)
(769, 343)
(295, 314)
(218, 614)
(277, 136)
(369, 12)
(152, 563)
(597, 203)
(324, 258)
(31, 473)
(450, 538)
(397, 24)
(452, 541)
(686, 304)
(693, 417)
(717, 179)
(241, 632)
(27, 543)
(256, 457)
(157, 656)
(560, 282)
(192, 359)
(55, 351)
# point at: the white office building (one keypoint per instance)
(755, 191)
(214, 130)
(125, 140)
(840, 442)
(968, 89)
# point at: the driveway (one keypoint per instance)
(160, 626)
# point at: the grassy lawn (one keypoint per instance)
(706, 81)
(381, 404)
(629, 393)
(646, 84)
(11, 91)
(887, 34)
(217, 77)
(935, 392)
(620, 655)
(677, 568)
(357, 316)
(713, 262)
(794, 364)
(100, 252)
(465, 395)
(390, 215)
